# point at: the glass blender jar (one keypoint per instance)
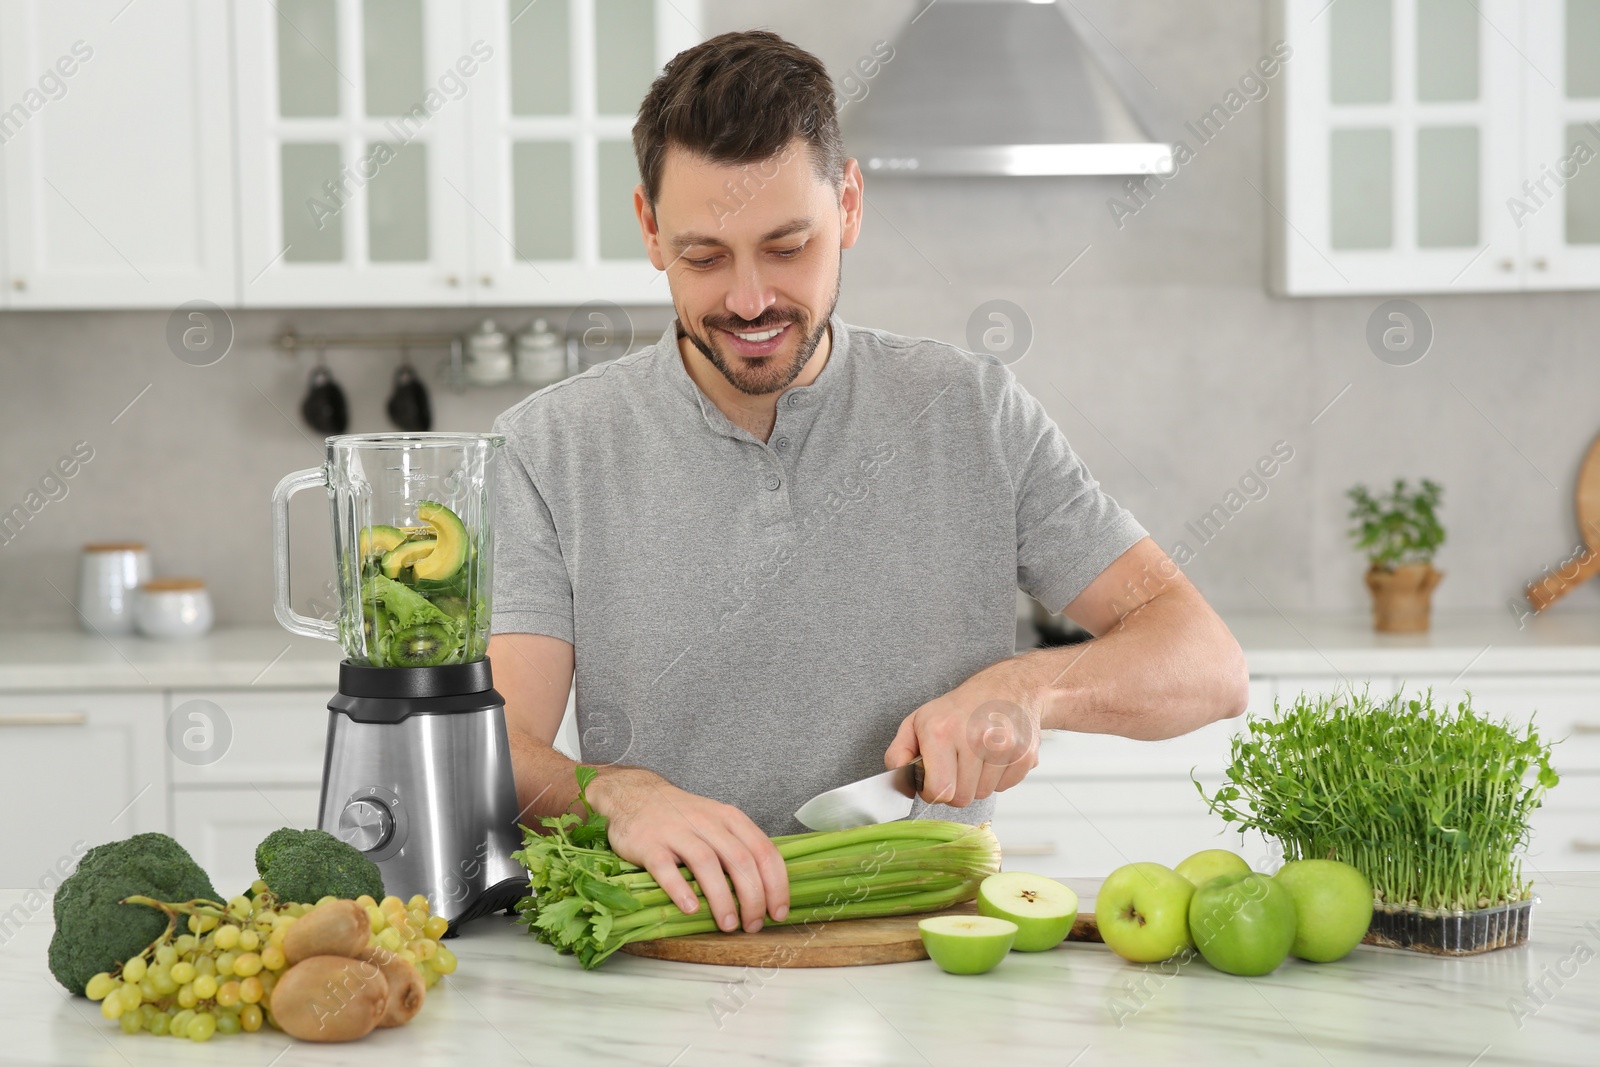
(413, 522)
(417, 774)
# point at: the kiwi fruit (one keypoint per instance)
(332, 928)
(426, 644)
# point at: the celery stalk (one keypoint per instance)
(587, 901)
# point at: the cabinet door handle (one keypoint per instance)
(1580, 845)
(1586, 728)
(1048, 849)
(45, 718)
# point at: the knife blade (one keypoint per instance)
(881, 798)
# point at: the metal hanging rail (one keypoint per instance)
(291, 342)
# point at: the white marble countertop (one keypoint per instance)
(1274, 645)
(514, 1001)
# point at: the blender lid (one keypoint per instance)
(410, 440)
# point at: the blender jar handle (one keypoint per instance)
(290, 619)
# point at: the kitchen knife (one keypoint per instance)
(881, 798)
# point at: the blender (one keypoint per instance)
(417, 770)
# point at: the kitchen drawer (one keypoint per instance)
(1087, 828)
(265, 736)
(1064, 754)
(80, 769)
(1566, 828)
(221, 827)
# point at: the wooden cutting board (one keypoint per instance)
(1573, 572)
(848, 943)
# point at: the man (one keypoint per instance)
(778, 553)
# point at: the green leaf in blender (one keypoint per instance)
(451, 542)
(405, 605)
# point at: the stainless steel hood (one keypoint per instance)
(997, 87)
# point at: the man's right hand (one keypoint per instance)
(655, 824)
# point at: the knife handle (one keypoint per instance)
(916, 775)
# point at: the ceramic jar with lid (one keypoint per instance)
(108, 574)
(173, 607)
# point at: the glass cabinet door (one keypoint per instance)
(1556, 200)
(352, 130)
(552, 137)
(1400, 127)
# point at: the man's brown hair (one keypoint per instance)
(739, 98)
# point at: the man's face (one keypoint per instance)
(752, 254)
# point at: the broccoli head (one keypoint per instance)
(304, 866)
(94, 932)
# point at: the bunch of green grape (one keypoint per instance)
(218, 977)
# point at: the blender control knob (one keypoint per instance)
(366, 824)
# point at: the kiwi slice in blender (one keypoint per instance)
(426, 644)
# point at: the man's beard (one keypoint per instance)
(768, 376)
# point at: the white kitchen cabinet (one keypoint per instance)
(81, 769)
(118, 153)
(1067, 755)
(221, 827)
(275, 737)
(353, 152)
(425, 151)
(1089, 827)
(1405, 130)
(552, 155)
(1559, 207)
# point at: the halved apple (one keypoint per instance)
(1043, 909)
(967, 944)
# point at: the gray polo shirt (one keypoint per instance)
(752, 619)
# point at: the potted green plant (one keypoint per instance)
(1400, 532)
(1431, 803)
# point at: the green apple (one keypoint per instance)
(1333, 907)
(1201, 867)
(1243, 923)
(1142, 911)
(967, 944)
(1043, 909)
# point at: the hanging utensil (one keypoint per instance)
(408, 407)
(324, 407)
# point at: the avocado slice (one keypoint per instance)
(407, 554)
(450, 550)
(376, 540)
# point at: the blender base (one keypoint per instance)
(417, 776)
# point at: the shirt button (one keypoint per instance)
(773, 481)
(796, 400)
(781, 444)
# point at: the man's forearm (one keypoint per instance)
(1167, 668)
(546, 784)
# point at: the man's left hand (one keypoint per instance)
(977, 739)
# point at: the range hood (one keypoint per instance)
(997, 87)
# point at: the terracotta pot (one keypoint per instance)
(1401, 598)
